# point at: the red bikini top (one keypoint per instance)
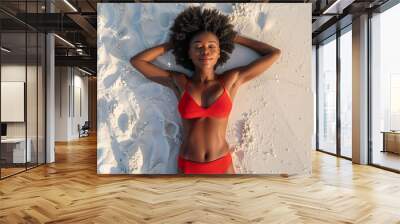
(189, 109)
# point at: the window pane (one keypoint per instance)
(23, 88)
(14, 151)
(386, 89)
(41, 98)
(327, 97)
(32, 86)
(346, 93)
(31, 97)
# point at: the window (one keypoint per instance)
(327, 96)
(22, 67)
(385, 88)
(346, 93)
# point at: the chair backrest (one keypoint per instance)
(86, 125)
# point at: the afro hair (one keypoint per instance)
(195, 20)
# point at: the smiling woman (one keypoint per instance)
(204, 50)
(201, 40)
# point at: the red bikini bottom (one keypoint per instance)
(218, 166)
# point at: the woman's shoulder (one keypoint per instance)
(229, 77)
(179, 78)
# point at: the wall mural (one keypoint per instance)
(267, 130)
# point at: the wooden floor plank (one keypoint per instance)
(70, 191)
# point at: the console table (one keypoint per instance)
(15, 148)
(391, 141)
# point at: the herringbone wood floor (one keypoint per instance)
(70, 191)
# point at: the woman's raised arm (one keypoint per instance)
(268, 54)
(142, 62)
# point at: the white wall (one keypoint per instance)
(14, 72)
(12, 101)
(11, 73)
(34, 124)
(61, 103)
(80, 83)
(70, 83)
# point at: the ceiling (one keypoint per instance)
(75, 21)
(76, 26)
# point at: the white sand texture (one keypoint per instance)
(271, 125)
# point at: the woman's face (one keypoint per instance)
(204, 50)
